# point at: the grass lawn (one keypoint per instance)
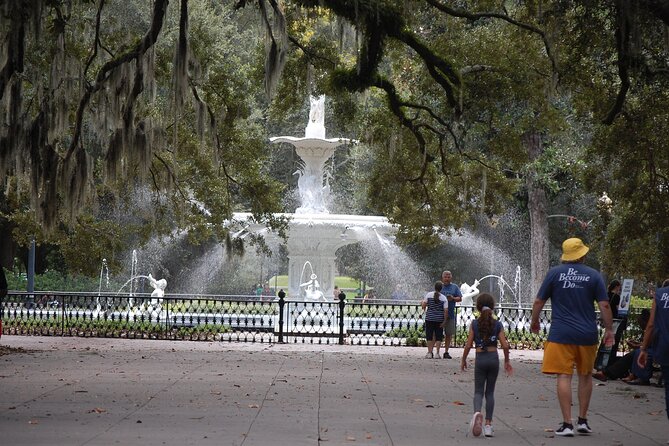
(342, 281)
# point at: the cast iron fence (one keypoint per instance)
(248, 319)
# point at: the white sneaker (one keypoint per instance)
(487, 430)
(428, 355)
(565, 430)
(475, 425)
(583, 428)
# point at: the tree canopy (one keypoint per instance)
(102, 99)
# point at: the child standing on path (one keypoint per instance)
(484, 333)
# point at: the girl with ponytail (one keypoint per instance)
(435, 305)
(484, 333)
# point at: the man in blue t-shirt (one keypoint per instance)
(572, 341)
(453, 295)
(658, 328)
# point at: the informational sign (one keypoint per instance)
(625, 296)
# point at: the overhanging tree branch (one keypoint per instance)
(149, 39)
(311, 55)
(481, 15)
(623, 48)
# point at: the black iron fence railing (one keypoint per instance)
(248, 319)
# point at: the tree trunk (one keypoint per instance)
(536, 204)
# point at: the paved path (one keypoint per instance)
(83, 391)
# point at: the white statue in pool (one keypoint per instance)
(312, 289)
(154, 305)
(158, 286)
(469, 293)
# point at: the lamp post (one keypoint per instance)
(31, 273)
(605, 209)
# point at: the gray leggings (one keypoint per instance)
(486, 369)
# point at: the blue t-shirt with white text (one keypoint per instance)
(573, 289)
(661, 327)
(453, 290)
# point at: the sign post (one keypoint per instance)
(625, 296)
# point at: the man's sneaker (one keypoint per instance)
(428, 355)
(487, 430)
(582, 427)
(475, 426)
(447, 356)
(565, 430)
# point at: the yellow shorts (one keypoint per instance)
(562, 358)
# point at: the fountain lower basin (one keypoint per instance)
(315, 238)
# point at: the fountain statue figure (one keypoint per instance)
(469, 293)
(504, 286)
(311, 289)
(137, 305)
(158, 286)
(316, 125)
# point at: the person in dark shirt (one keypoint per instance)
(3, 283)
(657, 334)
(614, 296)
(3, 293)
(614, 302)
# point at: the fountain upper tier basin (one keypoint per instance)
(346, 225)
(322, 144)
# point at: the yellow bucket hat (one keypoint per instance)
(573, 249)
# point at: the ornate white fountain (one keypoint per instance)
(314, 233)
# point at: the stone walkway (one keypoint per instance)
(84, 391)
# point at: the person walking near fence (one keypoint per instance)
(453, 295)
(484, 334)
(3, 293)
(614, 302)
(573, 338)
(657, 333)
(3, 284)
(436, 308)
